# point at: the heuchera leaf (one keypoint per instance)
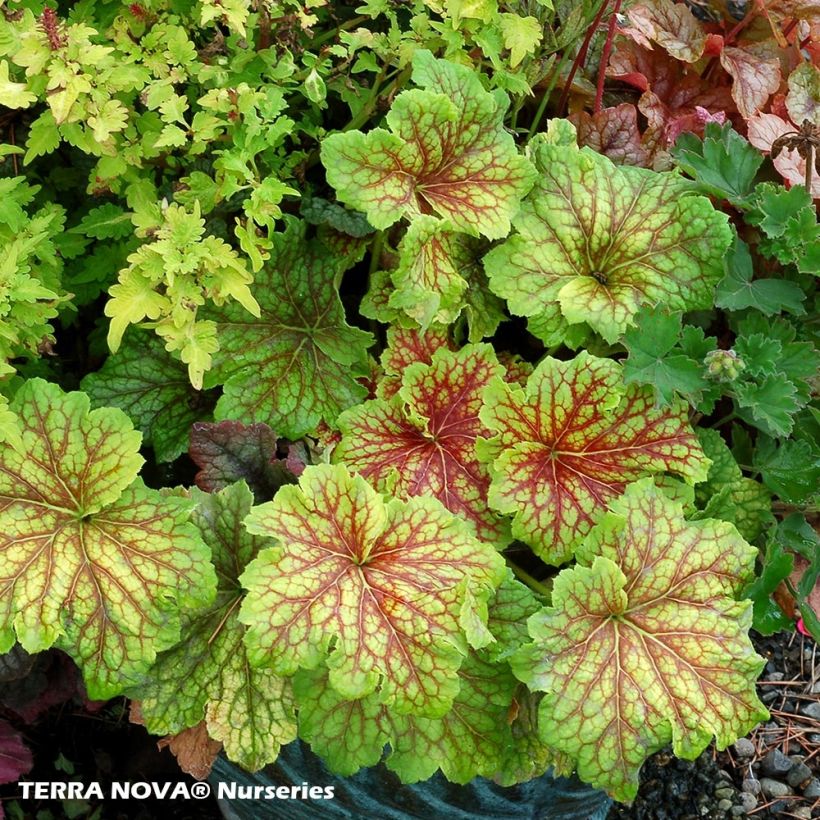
(644, 643)
(727, 494)
(377, 588)
(15, 756)
(471, 740)
(230, 451)
(92, 561)
(207, 676)
(446, 152)
(595, 241)
(297, 364)
(476, 737)
(439, 274)
(755, 69)
(673, 27)
(406, 346)
(152, 387)
(614, 133)
(422, 441)
(569, 442)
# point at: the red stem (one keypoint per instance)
(610, 36)
(582, 54)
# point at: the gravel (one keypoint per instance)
(774, 774)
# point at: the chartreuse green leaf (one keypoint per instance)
(595, 241)
(570, 440)
(297, 364)
(476, 737)
(644, 643)
(207, 676)
(440, 274)
(379, 589)
(446, 151)
(153, 388)
(93, 562)
(422, 441)
(727, 494)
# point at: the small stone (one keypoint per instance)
(814, 738)
(799, 775)
(724, 775)
(774, 788)
(803, 812)
(812, 710)
(751, 786)
(748, 801)
(724, 792)
(725, 805)
(776, 676)
(769, 696)
(775, 764)
(812, 791)
(744, 747)
(815, 688)
(737, 811)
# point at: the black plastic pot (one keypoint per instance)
(378, 794)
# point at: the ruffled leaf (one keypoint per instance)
(644, 643)
(297, 364)
(208, 676)
(92, 560)
(422, 441)
(378, 589)
(446, 151)
(568, 443)
(595, 241)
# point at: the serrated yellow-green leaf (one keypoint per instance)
(207, 675)
(644, 643)
(92, 560)
(595, 241)
(446, 152)
(375, 588)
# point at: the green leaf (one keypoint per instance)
(106, 222)
(569, 442)
(422, 441)
(152, 387)
(375, 588)
(655, 360)
(43, 137)
(791, 469)
(596, 241)
(768, 617)
(727, 495)
(297, 364)
(446, 151)
(13, 95)
(737, 290)
(93, 562)
(723, 163)
(770, 404)
(521, 35)
(439, 274)
(644, 644)
(207, 675)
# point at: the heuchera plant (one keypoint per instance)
(432, 382)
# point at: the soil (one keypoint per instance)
(774, 775)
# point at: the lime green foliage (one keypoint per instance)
(170, 278)
(595, 241)
(644, 643)
(30, 268)
(207, 676)
(439, 275)
(569, 441)
(93, 561)
(377, 589)
(446, 150)
(152, 387)
(296, 364)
